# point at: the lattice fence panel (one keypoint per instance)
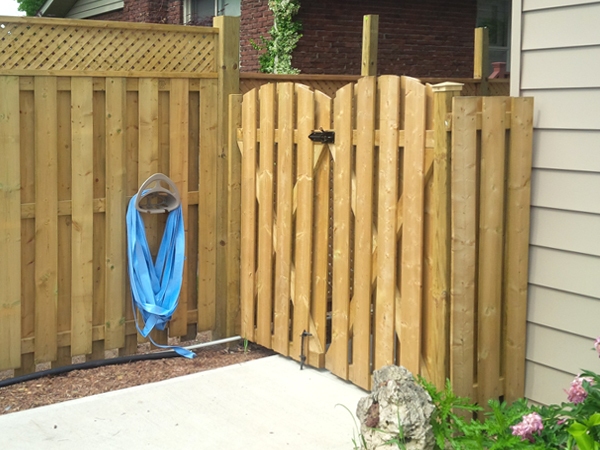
(41, 45)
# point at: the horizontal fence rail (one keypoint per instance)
(402, 242)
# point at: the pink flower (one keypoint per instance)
(597, 345)
(577, 393)
(530, 424)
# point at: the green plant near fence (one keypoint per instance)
(285, 34)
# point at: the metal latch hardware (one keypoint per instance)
(322, 136)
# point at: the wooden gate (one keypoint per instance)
(371, 247)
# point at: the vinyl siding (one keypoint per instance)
(574, 150)
(561, 67)
(556, 60)
(538, 379)
(564, 311)
(90, 8)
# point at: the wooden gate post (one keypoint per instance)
(437, 360)
(228, 62)
(481, 60)
(369, 46)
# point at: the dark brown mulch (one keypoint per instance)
(83, 383)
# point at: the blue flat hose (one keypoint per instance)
(155, 286)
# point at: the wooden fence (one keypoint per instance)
(405, 241)
(88, 111)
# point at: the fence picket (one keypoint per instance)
(491, 243)
(82, 231)
(304, 218)
(116, 208)
(264, 278)
(10, 232)
(248, 229)
(320, 257)
(27, 173)
(517, 245)
(46, 223)
(285, 184)
(464, 235)
(178, 169)
(413, 193)
(363, 242)
(207, 207)
(337, 355)
(389, 120)
(64, 163)
(148, 164)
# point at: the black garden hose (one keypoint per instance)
(89, 365)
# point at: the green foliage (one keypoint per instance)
(449, 425)
(30, 7)
(284, 36)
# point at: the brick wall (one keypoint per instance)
(256, 20)
(426, 38)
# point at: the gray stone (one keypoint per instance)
(396, 400)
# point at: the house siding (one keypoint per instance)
(426, 38)
(556, 54)
(85, 9)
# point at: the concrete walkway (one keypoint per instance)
(262, 404)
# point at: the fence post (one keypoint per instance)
(228, 82)
(442, 105)
(482, 59)
(369, 46)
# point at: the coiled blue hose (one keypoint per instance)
(155, 286)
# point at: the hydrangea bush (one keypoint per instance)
(574, 424)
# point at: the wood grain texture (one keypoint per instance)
(178, 172)
(285, 185)
(363, 241)
(413, 193)
(207, 208)
(370, 40)
(234, 158)
(10, 231)
(491, 246)
(248, 228)
(264, 279)
(464, 249)
(320, 269)
(46, 226)
(517, 245)
(227, 65)
(337, 355)
(304, 218)
(82, 232)
(440, 291)
(389, 123)
(116, 208)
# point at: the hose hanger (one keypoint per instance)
(157, 195)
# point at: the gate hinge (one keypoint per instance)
(322, 136)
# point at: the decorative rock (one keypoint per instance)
(396, 399)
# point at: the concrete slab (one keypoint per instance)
(262, 404)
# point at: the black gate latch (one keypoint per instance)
(322, 136)
(302, 357)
